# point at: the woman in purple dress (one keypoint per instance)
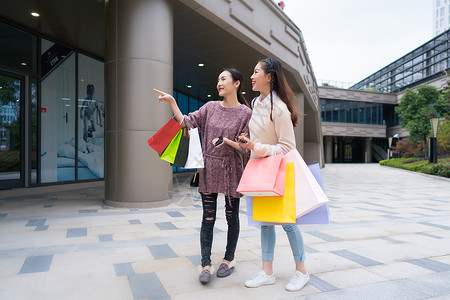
(219, 122)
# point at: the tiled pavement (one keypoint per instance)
(389, 239)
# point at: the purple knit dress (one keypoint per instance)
(223, 165)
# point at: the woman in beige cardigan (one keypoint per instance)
(271, 127)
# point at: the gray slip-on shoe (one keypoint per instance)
(205, 276)
(224, 270)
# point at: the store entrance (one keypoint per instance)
(348, 149)
(12, 141)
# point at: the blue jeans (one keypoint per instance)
(268, 238)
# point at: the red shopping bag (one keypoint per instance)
(160, 140)
(264, 177)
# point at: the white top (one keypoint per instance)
(271, 138)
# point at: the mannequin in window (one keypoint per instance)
(87, 113)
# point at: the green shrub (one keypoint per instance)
(443, 140)
(418, 166)
(395, 162)
(442, 168)
(9, 161)
(406, 149)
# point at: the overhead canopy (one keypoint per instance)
(81, 24)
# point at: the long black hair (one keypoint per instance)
(237, 76)
(278, 83)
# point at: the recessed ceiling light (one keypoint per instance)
(201, 65)
(189, 86)
(243, 93)
(209, 96)
(35, 14)
(23, 64)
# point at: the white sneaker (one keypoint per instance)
(297, 281)
(261, 278)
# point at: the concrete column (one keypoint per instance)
(300, 129)
(139, 56)
(368, 150)
(328, 149)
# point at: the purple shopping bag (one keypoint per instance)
(320, 215)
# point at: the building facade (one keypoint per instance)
(358, 122)
(423, 64)
(80, 77)
(441, 16)
(355, 124)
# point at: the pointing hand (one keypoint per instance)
(164, 97)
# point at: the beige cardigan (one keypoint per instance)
(275, 137)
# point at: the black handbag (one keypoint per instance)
(194, 179)
(182, 152)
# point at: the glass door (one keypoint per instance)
(11, 130)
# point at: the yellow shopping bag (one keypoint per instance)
(278, 209)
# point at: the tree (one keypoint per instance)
(416, 109)
(443, 141)
(370, 89)
(8, 90)
(445, 97)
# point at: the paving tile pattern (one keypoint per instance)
(389, 239)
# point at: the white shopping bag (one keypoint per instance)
(195, 155)
(308, 193)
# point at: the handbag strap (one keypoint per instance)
(185, 131)
(253, 102)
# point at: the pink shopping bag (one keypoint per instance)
(264, 177)
(320, 215)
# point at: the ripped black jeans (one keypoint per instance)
(209, 202)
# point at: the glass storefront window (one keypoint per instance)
(65, 142)
(361, 116)
(34, 131)
(91, 118)
(193, 104)
(341, 115)
(368, 115)
(186, 104)
(335, 115)
(10, 127)
(328, 116)
(183, 103)
(18, 49)
(57, 113)
(351, 112)
(355, 115)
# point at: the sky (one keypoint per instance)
(348, 40)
